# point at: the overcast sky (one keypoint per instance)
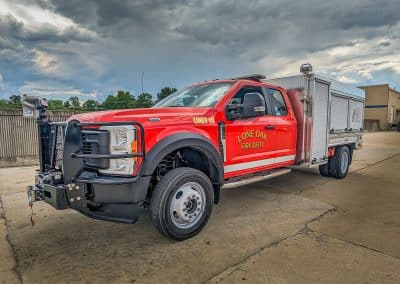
(60, 48)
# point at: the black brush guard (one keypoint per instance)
(60, 141)
(65, 180)
(75, 167)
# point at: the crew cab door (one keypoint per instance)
(250, 141)
(286, 126)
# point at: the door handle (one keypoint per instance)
(269, 127)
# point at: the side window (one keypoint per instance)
(277, 102)
(238, 97)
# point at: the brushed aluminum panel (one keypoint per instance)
(356, 114)
(289, 83)
(319, 135)
(339, 113)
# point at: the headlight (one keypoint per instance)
(122, 141)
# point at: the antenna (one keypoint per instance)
(142, 81)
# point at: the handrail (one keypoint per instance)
(105, 156)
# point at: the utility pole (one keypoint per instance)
(142, 81)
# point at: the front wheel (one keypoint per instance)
(181, 203)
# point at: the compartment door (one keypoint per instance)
(319, 135)
(339, 113)
(356, 114)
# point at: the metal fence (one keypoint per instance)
(18, 135)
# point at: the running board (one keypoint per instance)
(272, 174)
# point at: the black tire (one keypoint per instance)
(324, 170)
(166, 195)
(340, 162)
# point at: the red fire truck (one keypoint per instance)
(173, 159)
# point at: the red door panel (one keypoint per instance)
(285, 138)
(250, 145)
(286, 127)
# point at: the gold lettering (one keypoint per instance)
(251, 134)
(261, 134)
(252, 145)
(203, 120)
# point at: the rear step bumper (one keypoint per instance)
(253, 179)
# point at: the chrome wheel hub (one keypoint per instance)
(344, 161)
(187, 205)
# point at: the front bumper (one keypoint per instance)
(111, 199)
(70, 158)
(53, 195)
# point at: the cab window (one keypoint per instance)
(277, 102)
(238, 97)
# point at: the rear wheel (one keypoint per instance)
(181, 203)
(340, 162)
(324, 170)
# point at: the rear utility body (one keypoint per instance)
(171, 160)
(329, 114)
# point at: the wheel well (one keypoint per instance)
(186, 157)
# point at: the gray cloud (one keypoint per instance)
(109, 43)
(15, 30)
(384, 44)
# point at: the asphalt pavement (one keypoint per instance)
(297, 228)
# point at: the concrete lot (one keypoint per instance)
(298, 228)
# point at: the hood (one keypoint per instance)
(143, 115)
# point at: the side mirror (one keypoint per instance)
(33, 107)
(253, 105)
(233, 111)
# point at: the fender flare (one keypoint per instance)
(185, 140)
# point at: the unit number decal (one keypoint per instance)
(203, 120)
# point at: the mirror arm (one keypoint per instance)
(234, 115)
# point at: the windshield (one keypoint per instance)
(204, 95)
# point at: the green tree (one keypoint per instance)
(110, 102)
(144, 100)
(67, 105)
(120, 101)
(125, 100)
(3, 104)
(165, 92)
(75, 104)
(90, 105)
(14, 102)
(56, 104)
(15, 99)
